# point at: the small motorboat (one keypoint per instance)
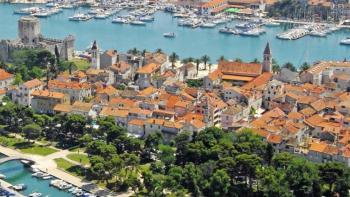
(345, 41)
(19, 187)
(2, 176)
(47, 177)
(35, 194)
(169, 35)
(139, 23)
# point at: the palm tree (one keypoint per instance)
(238, 60)
(159, 50)
(143, 53)
(134, 51)
(205, 59)
(173, 58)
(198, 61)
(256, 61)
(221, 58)
(304, 66)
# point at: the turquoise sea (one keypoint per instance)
(188, 43)
(16, 173)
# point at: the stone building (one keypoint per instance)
(29, 37)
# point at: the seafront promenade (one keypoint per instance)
(48, 165)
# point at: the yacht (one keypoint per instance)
(226, 30)
(80, 17)
(318, 33)
(25, 11)
(208, 25)
(2, 176)
(138, 23)
(147, 18)
(101, 16)
(345, 41)
(40, 174)
(51, 4)
(120, 20)
(169, 35)
(35, 194)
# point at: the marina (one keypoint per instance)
(152, 24)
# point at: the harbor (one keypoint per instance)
(42, 178)
(152, 27)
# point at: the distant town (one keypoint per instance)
(147, 123)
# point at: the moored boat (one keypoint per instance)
(169, 35)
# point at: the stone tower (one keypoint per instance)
(29, 30)
(95, 56)
(267, 63)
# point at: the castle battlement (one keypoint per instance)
(29, 37)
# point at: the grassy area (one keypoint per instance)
(38, 150)
(69, 167)
(25, 146)
(83, 159)
(82, 64)
(10, 142)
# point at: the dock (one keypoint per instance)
(5, 185)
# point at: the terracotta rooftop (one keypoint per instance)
(240, 68)
(33, 83)
(5, 75)
(47, 94)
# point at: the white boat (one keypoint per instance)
(2, 176)
(47, 177)
(19, 187)
(35, 194)
(101, 16)
(40, 174)
(345, 41)
(169, 35)
(318, 34)
(51, 4)
(30, 10)
(208, 25)
(139, 23)
(226, 30)
(147, 18)
(120, 20)
(80, 17)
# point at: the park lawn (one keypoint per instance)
(81, 64)
(83, 159)
(69, 167)
(38, 150)
(10, 142)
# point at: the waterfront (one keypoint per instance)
(189, 42)
(17, 174)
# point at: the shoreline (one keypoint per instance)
(6, 185)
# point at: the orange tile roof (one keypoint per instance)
(323, 147)
(68, 85)
(261, 80)
(213, 3)
(274, 138)
(148, 91)
(120, 67)
(65, 108)
(295, 115)
(115, 112)
(33, 83)
(240, 68)
(216, 74)
(198, 124)
(136, 122)
(314, 120)
(47, 94)
(109, 90)
(148, 69)
(5, 75)
(236, 78)
(82, 106)
(307, 111)
(118, 101)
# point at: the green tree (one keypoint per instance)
(173, 59)
(274, 183)
(301, 176)
(290, 66)
(247, 166)
(32, 131)
(304, 66)
(219, 184)
(205, 59)
(167, 155)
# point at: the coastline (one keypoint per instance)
(24, 1)
(6, 185)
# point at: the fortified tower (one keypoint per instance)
(29, 30)
(267, 63)
(95, 56)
